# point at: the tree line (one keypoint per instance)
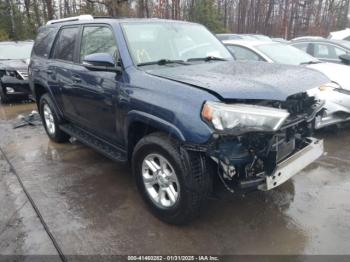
(20, 19)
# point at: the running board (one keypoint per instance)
(92, 141)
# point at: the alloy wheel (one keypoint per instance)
(160, 181)
(49, 120)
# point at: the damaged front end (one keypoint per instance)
(261, 145)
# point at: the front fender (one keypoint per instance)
(138, 116)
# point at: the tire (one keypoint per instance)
(3, 97)
(51, 123)
(193, 183)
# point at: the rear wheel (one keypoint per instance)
(50, 121)
(173, 182)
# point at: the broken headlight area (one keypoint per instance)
(244, 158)
(18, 74)
(242, 118)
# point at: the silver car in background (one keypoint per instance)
(336, 94)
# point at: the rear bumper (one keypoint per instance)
(294, 164)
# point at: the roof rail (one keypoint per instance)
(74, 18)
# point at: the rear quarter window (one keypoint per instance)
(44, 41)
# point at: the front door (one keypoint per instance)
(96, 91)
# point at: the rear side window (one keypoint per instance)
(97, 39)
(327, 51)
(44, 41)
(65, 44)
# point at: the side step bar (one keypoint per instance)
(99, 145)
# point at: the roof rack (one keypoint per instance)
(74, 18)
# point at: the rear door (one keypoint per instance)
(96, 91)
(62, 60)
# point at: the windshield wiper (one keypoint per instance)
(164, 62)
(311, 62)
(207, 59)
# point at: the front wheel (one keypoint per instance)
(50, 121)
(173, 182)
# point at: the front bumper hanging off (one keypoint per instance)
(294, 164)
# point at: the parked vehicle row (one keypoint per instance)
(336, 94)
(328, 50)
(333, 51)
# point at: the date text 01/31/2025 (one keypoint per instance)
(173, 258)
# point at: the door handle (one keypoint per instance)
(49, 72)
(76, 79)
(36, 70)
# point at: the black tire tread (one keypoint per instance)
(193, 165)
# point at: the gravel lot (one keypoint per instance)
(91, 204)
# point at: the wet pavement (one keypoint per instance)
(91, 204)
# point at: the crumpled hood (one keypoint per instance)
(14, 64)
(335, 72)
(245, 80)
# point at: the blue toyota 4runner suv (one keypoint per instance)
(168, 97)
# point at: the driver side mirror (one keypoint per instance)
(345, 59)
(101, 62)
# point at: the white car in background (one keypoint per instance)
(340, 35)
(336, 94)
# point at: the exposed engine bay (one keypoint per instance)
(245, 160)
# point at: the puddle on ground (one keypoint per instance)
(12, 110)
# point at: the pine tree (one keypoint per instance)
(205, 13)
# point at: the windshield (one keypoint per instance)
(15, 51)
(285, 54)
(171, 41)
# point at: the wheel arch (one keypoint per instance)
(140, 124)
(38, 91)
